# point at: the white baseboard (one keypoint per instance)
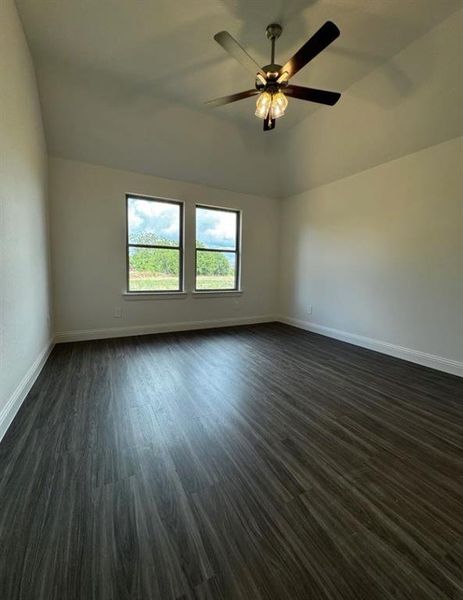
(422, 358)
(13, 404)
(114, 332)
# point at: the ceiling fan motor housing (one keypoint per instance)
(272, 70)
(274, 31)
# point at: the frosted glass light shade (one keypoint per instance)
(279, 104)
(263, 104)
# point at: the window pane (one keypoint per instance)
(153, 222)
(216, 228)
(154, 269)
(215, 270)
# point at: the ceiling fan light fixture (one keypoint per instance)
(263, 104)
(279, 105)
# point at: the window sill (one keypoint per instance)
(153, 295)
(179, 295)
(216, 293)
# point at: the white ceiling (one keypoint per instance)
(123, 83)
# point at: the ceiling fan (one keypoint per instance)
(272, 81)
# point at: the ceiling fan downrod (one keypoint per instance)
(273, 33)
(272, 70)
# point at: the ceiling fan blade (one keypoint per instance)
(269, 123)
(312, 95)
(230, 45)
(318, 42)
(232, 98)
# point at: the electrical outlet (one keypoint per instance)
(309, 309)
(117, 312)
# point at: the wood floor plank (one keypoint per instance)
(247, 463)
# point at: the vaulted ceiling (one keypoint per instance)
(123, 83)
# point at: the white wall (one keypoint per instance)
(379, 254)
(372, 234)
(25, 329)
(89, 265)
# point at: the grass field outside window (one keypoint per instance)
(140, 282)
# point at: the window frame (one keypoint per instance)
(236, 252)
(180, 248)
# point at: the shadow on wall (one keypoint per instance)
(260, 14)
(205, 79)
(156, 136)
(129, 97)
(398, 83)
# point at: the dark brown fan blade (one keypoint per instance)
(269, 123)
(311, 94)
(232, 98)
(318, 42)
(231, 46)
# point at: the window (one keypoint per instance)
(217, 249)
(154, 245)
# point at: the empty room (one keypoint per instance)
(231, 300)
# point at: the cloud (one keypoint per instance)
(216, 228)
(172, 228)
(155, 217)
(156, 209)
(134, 220)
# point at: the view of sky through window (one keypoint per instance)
(153, 222)
(215, 229)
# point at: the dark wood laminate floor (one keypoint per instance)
(250, 463)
